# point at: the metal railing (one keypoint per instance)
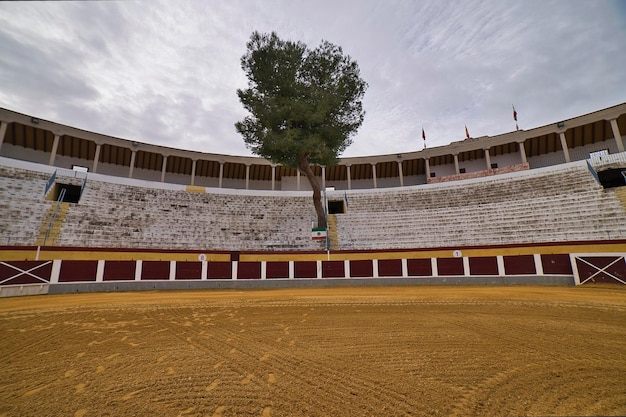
(50, 183)
(593, 172)
(82, 188)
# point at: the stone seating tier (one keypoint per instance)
(560, 204)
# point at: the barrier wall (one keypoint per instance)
(63, 270)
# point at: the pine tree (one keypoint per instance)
(305, 104)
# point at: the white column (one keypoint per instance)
(193, 171)
(400, 173)
(205, 270)
(56, 271)
(466, 267)
(375, 268)
(133, 155)
(292, 270)
(488, 158)
(348, 167)
(263, 269)
(500, 261)
(172, 270)
(538, 264)
(100, 271)
(434, 267)
(564, 146)
(247, 176)
(323, 178)
(96, 158)
(319, 269)
(346, 269)
(138, 268)
(55, 145)
(405, 267)
(456, 164)
(235, 266)
(617, 135)
(374, 175)
(427, 167)
(522, 151)
(3, 132)
(298, 180)
(221, 174)
(163, 168)
(274, 177)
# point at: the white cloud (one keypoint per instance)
(167, 72)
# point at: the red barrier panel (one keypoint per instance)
(520, 265)
(484, 265)
(119, 271)
(306, 269)
(188, 270)
(249, 270)
(277, 270)
(390, 268)
(361, 269)
(74, 271)
(419, 267)
(155, 270)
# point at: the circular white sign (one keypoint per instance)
(457, 254)
(202, 257)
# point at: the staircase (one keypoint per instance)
(51, 226)
(332, 232)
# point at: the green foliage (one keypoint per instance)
(304, 103)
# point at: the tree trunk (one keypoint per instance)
(305, 168)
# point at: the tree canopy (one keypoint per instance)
(305, 104)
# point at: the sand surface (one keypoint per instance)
(392, 351)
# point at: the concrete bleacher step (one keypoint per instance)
(620, 193)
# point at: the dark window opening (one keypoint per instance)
(612, 178)
(462, 170)
(494, 166)
(433, 175)
(72, 193)
(336, 207)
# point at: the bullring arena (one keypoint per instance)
(485, 277)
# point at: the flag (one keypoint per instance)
(514, 114)
(466, 132)
(423, 134)
(318, 233)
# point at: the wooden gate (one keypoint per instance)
(599, 268)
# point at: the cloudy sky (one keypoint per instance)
(167, 71)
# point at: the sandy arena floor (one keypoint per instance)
(418, 351)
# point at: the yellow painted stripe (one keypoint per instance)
(44, 255)
(195, 189)
(333, 236)
(526, 250)
(68, 254)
